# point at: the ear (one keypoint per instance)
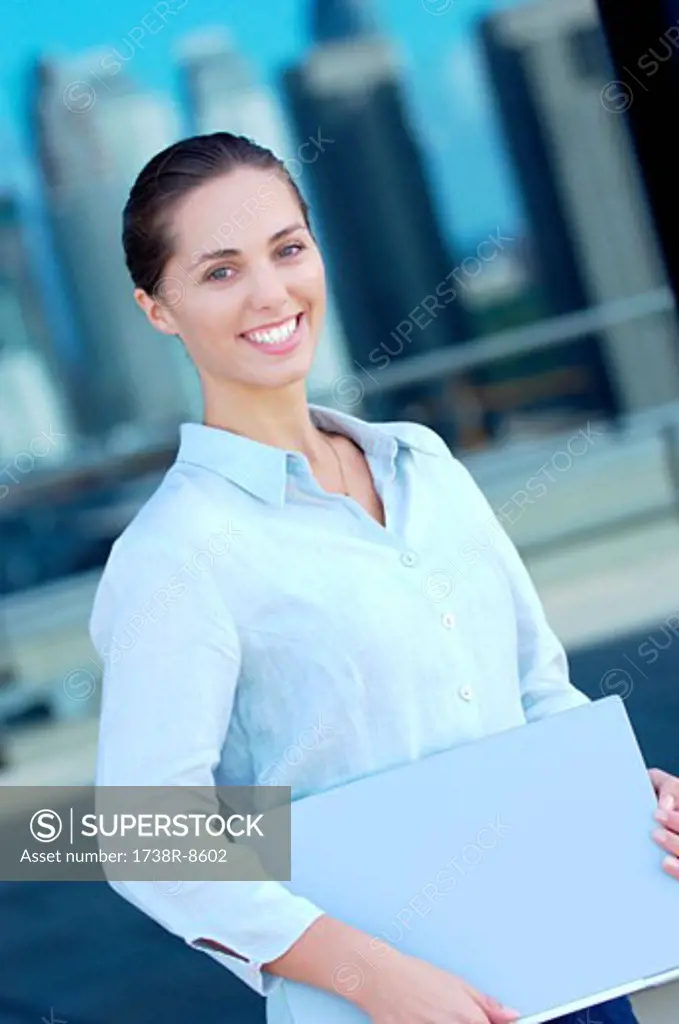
(158, 308)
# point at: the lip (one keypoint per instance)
(282, 347)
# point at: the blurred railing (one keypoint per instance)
(628, 480)
(481, 352)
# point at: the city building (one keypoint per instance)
(591, 230)
(95, 131)
(385, 246)
(225, 95)
(35, 428)
(33, 401)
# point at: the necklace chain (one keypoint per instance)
(339, 463)
(345, 491)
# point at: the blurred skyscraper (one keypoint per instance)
(386, 250)
(338, 20)
(31, 400)
(224, 95)
(591, 227)
(95, 131)
(34, 424)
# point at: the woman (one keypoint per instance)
(272, 613)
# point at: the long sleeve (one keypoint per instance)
(546, 687)
(171, 657)
(542, 662)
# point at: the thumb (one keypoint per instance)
(496, 1012)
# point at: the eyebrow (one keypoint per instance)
(221, 253)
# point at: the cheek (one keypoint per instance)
(208, 325)
(310, 283)
(215, 312)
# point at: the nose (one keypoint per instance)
(267, 290)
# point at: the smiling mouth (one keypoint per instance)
(277, 334)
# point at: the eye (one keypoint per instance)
(218, 274)
(291, 249)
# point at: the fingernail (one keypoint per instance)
(667, 802)
(661, 816)
(659, 835)
(671, 862)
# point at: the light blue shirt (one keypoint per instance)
(255, 629)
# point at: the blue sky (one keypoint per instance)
(467, 171)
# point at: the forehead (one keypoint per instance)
(240, 210)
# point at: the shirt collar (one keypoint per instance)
(262, 469)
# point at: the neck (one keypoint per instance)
(275, 416)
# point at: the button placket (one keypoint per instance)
(448, 620)
(465, 693)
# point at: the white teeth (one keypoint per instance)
(276, 335)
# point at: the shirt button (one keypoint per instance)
(409, 558)
(448, 620)
(465, 693)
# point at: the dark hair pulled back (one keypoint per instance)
(169, 176)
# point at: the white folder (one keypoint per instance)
(522, 862)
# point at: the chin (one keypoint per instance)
(291, 375)
(279, 377)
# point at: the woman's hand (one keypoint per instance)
(667, 815)
(403, 989)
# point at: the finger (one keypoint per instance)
(671, 866)
(496, 1012)
(502, 1015)
(658, 777)
(476, 1009)
(667, 800)
(670, 819)
(666, 787)
(668, 840)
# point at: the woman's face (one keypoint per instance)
(245, 288)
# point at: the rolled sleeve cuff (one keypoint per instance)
(241, 925)
(278, 941)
